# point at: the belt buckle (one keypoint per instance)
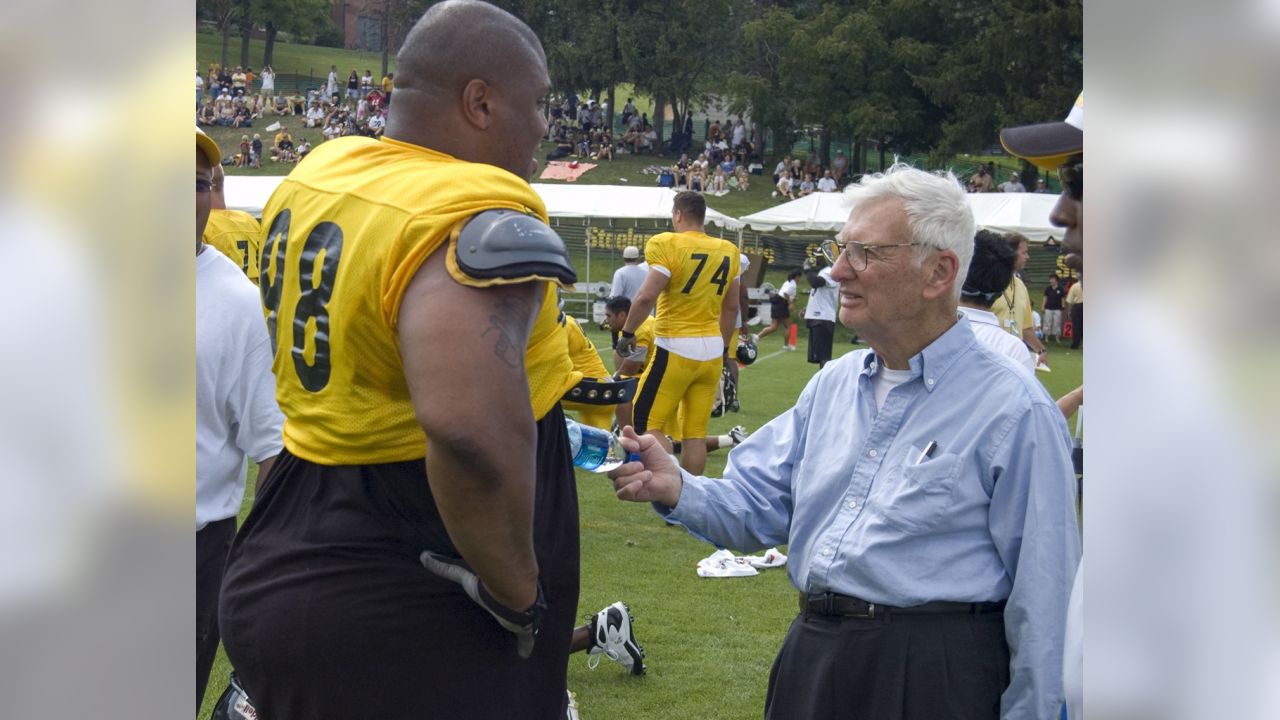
(871, 611)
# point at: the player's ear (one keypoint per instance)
(477, 101)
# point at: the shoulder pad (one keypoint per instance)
(509, 245)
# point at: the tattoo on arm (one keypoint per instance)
(508, 322)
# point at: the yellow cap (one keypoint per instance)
(1048, 145)
(205, 144)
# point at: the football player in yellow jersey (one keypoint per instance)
(414, 551)
(615, 314)
(234, 233)
(587, 361)
(693, 280)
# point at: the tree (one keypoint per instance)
(301, 17)
(667, 52)
(224, 13)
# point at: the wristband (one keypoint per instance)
(627, 335)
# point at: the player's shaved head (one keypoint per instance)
(469, 78)
(457, 41)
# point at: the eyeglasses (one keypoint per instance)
(855, 253)
(1072, 177)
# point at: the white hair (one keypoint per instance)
(937, 210)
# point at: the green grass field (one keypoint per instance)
(709, 642)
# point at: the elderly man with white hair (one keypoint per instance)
(924, 487)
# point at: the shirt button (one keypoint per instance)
(873, 452)
(929, 381)
(826, 551)
(852, 504)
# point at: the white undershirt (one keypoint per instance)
(885, 380)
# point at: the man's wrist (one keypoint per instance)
(627, 335)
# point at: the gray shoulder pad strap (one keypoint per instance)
(509, 245)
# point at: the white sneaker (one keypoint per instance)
(611, 631)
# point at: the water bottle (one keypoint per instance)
(595, 449)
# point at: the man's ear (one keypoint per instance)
(477, 100)
(944, 266)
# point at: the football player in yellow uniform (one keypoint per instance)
(414, 551)
(587, 361)
(234, 233)
(693, 280)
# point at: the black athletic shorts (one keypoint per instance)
(326, 611)
(821, 333)
(779, 309)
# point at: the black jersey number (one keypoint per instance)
(243, 247)
(719, 278)
(313, 298)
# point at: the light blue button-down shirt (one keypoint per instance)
(990, 515)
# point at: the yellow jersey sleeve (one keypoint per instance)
(702, 269)
(237, 235)
(582, 351)
(346, 232)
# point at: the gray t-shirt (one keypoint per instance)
(627, 280)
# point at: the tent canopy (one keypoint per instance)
(250, 194)
(1026, 213)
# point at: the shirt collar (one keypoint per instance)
(986, 317)
(936, 359)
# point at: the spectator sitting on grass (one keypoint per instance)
(315, 116)
(304, 147)
(226, 114)
(743, 177)
(297, 104)
(784, 186)
(807, 187)
(283, 147)
(827, 183)
(698, 174)
(605, 150)
(719, 180)
(207, 115)
(377, 122)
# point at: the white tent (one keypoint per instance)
(1026, 213)
(250, 194)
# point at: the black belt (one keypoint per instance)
(836, 605)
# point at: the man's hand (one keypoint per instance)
(524, 625)
(626, 344)
(656, 478)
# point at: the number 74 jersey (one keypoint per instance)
(701, 269)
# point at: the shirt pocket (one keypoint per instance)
(917, 497)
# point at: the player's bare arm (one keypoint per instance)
(484, 490)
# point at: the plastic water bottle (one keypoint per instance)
(595, 449)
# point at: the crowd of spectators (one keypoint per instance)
(237, 98)
(984, 180)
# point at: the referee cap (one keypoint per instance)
(206, 145)
(1048, 145)
(631, 252)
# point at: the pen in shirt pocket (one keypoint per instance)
(928, 452)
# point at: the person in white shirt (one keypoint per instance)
(990, 271)
(1012, 185)
(820, 314)
(628, 278)
(268, 78)
(236, 412)
(827, 183)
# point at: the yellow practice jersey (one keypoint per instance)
(345, 233)
(237, 235)
(582, 352)
(701, 268)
